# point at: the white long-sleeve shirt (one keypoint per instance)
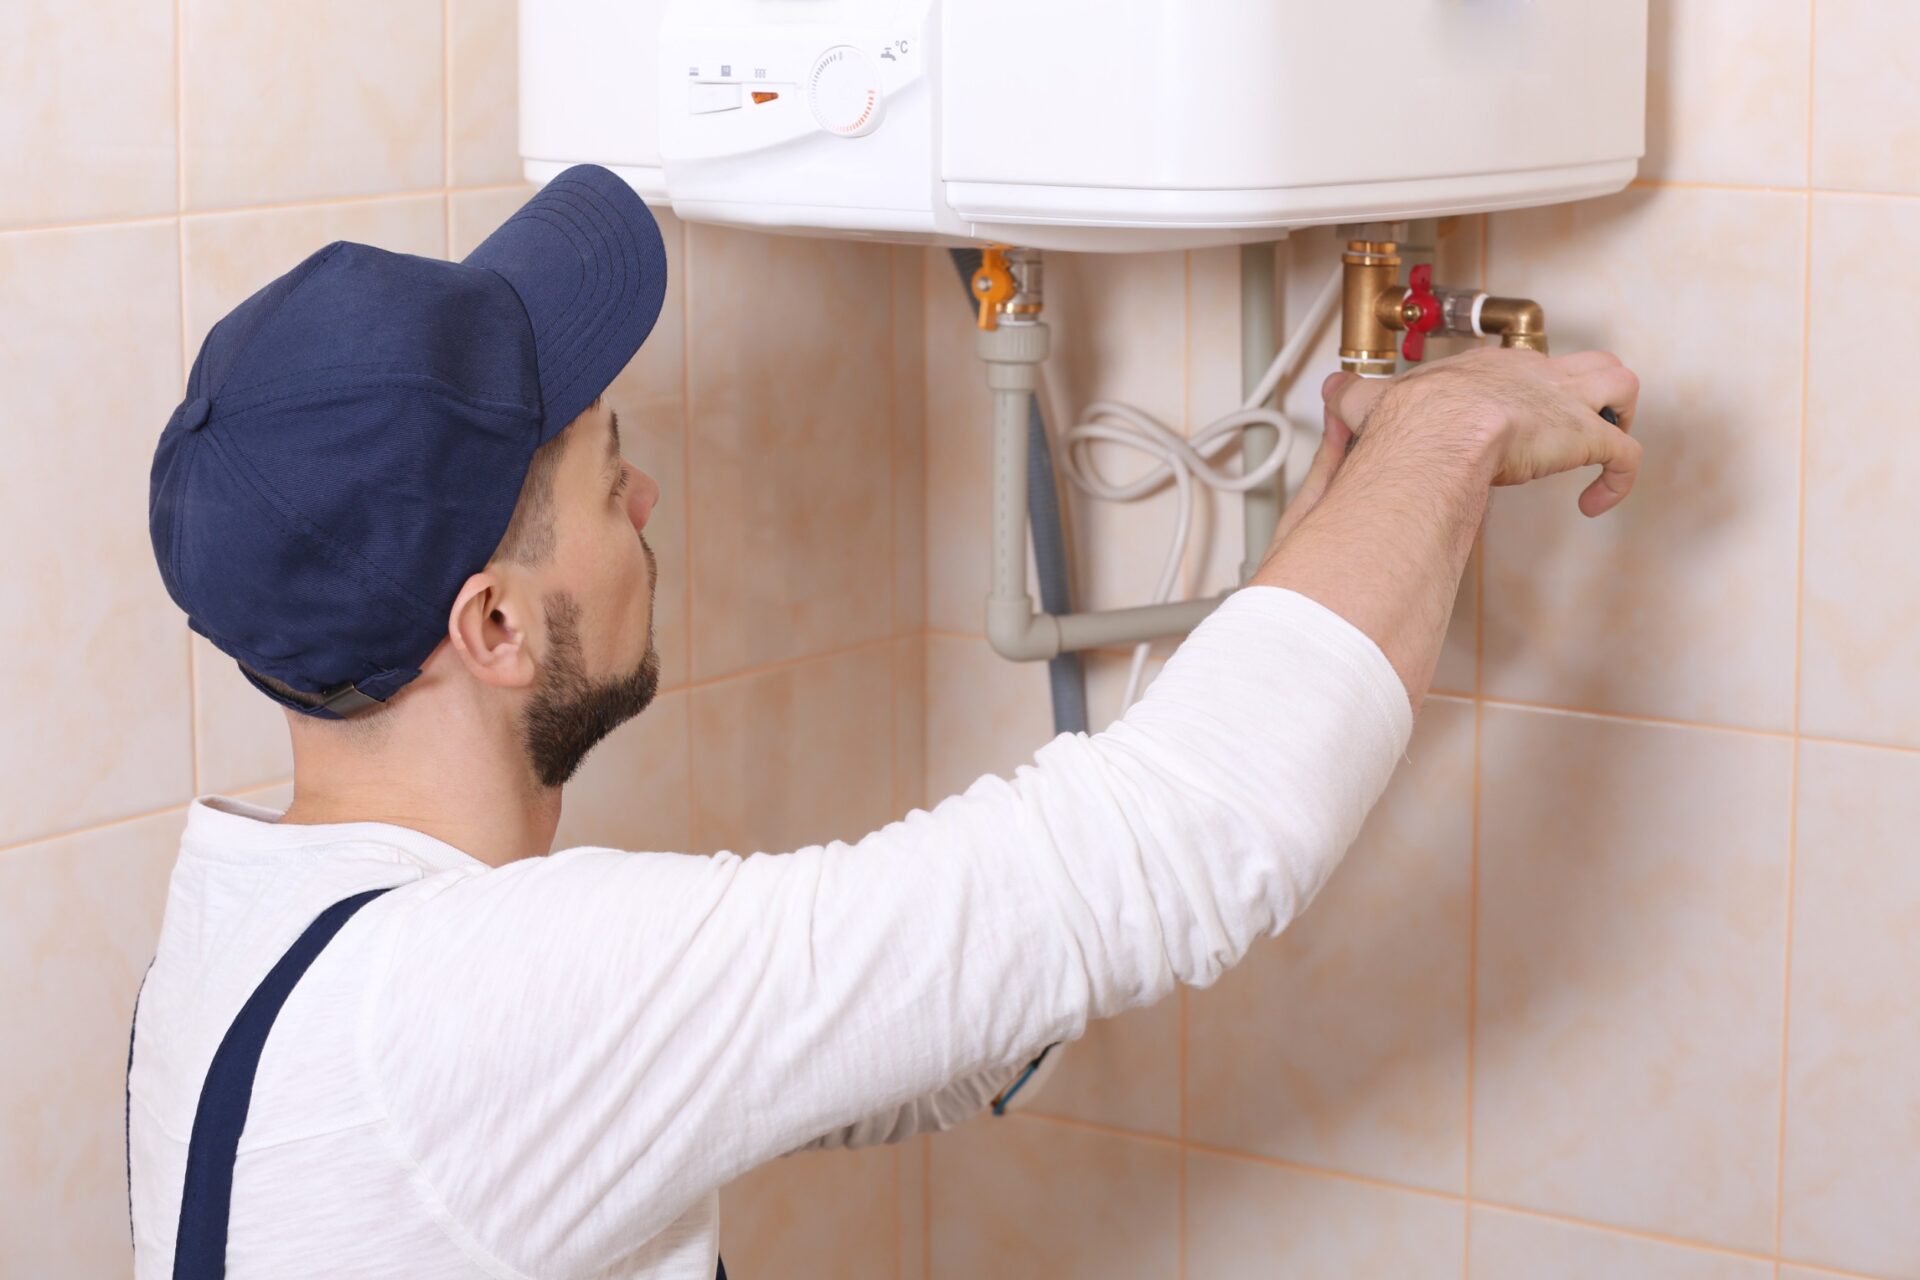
(549, 1068)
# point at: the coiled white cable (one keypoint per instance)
(1183, 459)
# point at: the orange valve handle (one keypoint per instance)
(992, 286)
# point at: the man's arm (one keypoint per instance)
(570, 1050)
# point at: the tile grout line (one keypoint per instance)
(20, 846)
(446, 93)
(270, 206)
(133, 818)
(1473, 1013)
(893, 461)
(1799, 647)
(1764, 188)
(920, 691)
(1655, 1237)
(179, 108)
(893, 579)
(921, 259)
(186, 368)
(1628, 717)
(446, 125)
(1108, 651)
(1181, 1122)
(1473, 847)
(481, 188)
(1384, 1184)
(899, 1228)
(1187, 577)
(1548, 708)
(926, 1208)
(1822, 740)
(1210, 1149)
(686, 480)
(895, 1213)
(1187, 574)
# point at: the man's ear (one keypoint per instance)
(492, 630)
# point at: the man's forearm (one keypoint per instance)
(1386, 546)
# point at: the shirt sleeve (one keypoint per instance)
(570, 1050)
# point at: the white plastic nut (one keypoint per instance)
(844, 92)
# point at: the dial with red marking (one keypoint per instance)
(844, 92)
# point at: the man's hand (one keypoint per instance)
(1532, 415)
(1380, 536)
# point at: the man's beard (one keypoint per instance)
(569, 712)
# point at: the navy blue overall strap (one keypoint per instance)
(206, 1199)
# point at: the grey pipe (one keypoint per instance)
(1013, 354)
(1066, 677)
(1065, 674)
(1260, 507)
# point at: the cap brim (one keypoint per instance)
(586, 258)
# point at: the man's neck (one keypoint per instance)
(464, 783)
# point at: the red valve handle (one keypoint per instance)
(1420, 300)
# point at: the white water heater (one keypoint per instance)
(1086, 124)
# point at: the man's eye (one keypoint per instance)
(620, 485)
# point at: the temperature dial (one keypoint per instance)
(844, 92)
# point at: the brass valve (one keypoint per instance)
(1375, 306)
(1007, 286)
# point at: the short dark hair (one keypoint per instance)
(529, 536)
(528, 541)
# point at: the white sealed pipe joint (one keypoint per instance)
(1013, 353)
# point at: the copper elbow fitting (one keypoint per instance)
(1519, 322)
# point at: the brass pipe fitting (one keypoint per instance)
(1025, 305)
(1371, 270)
(1519, 322)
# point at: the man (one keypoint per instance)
(394, 495)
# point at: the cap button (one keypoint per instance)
(195, 413)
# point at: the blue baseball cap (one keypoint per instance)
(355, 435)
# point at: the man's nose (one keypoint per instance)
(642, 495)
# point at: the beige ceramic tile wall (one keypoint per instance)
(1622, 978)
(791, 707)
